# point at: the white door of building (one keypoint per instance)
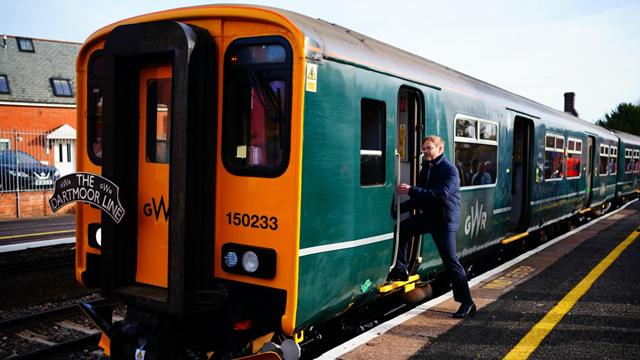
(65, 155)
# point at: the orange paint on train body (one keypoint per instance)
(274, 198)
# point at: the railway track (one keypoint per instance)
(59, 332)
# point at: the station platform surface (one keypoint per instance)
(578, 298)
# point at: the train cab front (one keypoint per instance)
(191, 121)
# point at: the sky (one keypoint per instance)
(537, 49)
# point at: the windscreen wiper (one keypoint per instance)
(270, 101)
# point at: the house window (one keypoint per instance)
(61, 87)
(4, 84)
(476, 146)
(604, 160)
(372, 142)
(553, 159)
(25, 44)
(574, 158)
(5, 144)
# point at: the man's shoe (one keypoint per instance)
(465, 311)
(398, 275)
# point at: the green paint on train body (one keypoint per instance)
(346, 232)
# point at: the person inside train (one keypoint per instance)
(612, 166)
(482, 177)
(437, 195)
(490, 171)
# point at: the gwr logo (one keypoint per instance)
(149, 210)
(476, 221)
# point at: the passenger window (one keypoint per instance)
(476, 151)
(628, 160)
(604, 160)
(574, 158)
(613, 160)
(94, 108)
(553, 159)
(636, 160)
(372, 142)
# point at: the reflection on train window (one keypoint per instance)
(553, 158)
(476, 151)
(158, 120)
(604, 160)
(256, 106)
(372, 142)
(574, 158)
(94, 107)
(613, 160)
(466, 128)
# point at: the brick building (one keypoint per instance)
(37, 112)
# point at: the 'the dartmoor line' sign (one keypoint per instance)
(89, 188)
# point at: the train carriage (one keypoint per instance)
(627, 162)
(255, 152)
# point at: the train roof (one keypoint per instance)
(335, 42)
(627, 138)
(325, 40)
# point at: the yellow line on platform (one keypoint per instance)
(530, 342)
(44, 233)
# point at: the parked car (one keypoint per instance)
(17, 167)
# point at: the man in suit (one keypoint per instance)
(438, 197)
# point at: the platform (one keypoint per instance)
(547, 283)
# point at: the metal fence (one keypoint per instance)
(33, 160)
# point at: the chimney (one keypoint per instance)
(569, 103)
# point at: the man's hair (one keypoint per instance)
(436, 140)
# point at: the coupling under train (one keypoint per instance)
(238, 164)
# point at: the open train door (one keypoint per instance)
(591, 140)
(159, 114)
(522, 176)
(410, 131)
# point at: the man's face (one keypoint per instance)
(430, 150)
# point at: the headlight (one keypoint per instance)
(256, 261)
(250, 261)
(18, 173)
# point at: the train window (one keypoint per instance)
(488, 131)
(466, 128)
(372, 142)
(574, 158)
(604, 160)
(158, 120)
(476, 151)
(636, 159)
(554, 156)
(613, 160)
(94, 107)
(257, 106)
(628, 160)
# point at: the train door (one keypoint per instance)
(158, 120)
(521, 177)
(153, 174)
(589, 176)
(410, 131)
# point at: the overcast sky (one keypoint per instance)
(538, 49)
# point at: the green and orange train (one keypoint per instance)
(255, 152)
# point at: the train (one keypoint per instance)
(237, 168)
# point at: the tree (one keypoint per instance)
(625, 118)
